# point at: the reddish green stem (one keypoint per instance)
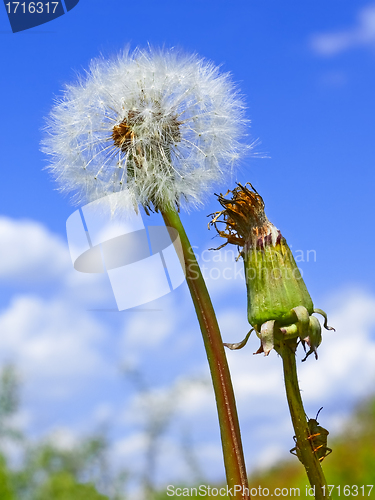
(308, 457)
(224, 394)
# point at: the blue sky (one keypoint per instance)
(307, 71)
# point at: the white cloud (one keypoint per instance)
(361, 35)
(33, 257)
(30, 253)
(63, 438)
(150, 325)
(271, 454)
(53, 344)
(196, 398)
(346, 357)
(131, 447)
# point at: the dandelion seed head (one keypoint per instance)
(159, 125)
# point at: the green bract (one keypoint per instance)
(279, 304)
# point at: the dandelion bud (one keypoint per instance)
(279, 304)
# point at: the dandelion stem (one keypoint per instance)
(224, 394)
(308, 457)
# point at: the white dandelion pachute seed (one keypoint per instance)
(161, 123)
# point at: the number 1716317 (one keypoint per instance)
(348, 490)
(31, 7)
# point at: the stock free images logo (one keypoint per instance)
(143, 263)
(28, 14)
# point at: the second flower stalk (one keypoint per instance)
(280, 308)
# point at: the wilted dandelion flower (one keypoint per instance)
(161, 126)
(279, 304)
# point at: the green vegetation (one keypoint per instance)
(63, 486)
(6, 492)
(48, 472)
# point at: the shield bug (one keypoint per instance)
(318, 438)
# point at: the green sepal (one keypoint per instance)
(274, 285)
(315, 337)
